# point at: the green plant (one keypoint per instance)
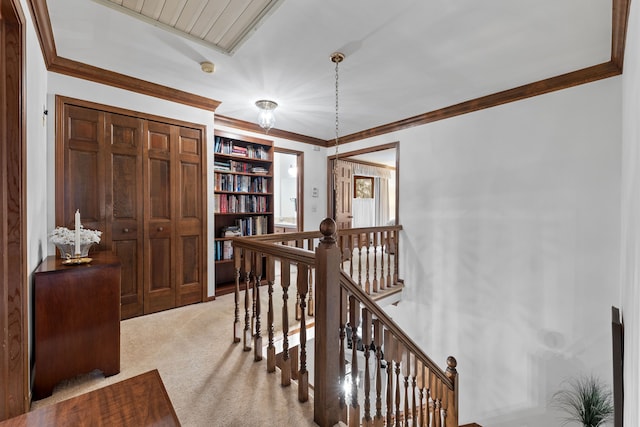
(585, 400)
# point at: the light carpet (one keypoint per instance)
(209, 379)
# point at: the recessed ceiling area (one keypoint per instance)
(219, 24)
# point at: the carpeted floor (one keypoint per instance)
(210, 380)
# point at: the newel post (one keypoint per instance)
(327, 410)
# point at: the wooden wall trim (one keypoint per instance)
(110, 78)
(563, 81)
(42, 24)
(14, 302)
(620, 21)
(252, 127)
(57, 64)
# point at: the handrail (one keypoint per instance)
(301, 235)
(340, 303)
(350, 286)
(280, 251)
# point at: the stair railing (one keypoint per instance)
(397, 385)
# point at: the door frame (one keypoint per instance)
(14, 322)
(300, 183)
(344, 156)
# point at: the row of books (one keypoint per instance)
(253, 225)
(233, 166)
(248, 226)
(223, 250)
(243, 183)
(231, 203)
(229, 147)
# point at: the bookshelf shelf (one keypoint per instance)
(243, 196)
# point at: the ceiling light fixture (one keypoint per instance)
(207, 67)
(336, 58)
(266, 118)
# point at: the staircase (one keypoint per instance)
(336, 341)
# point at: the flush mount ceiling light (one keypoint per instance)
(266, 118)
(207, 67)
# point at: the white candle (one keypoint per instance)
(77, 232)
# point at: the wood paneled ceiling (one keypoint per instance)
(219, 24)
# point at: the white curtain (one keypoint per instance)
(364, 212)
(372, 212)
(381, 197)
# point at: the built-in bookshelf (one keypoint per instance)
(243, 197)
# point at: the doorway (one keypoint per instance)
(366, 194)
(288, 175)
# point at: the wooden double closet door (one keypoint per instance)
(141, 182)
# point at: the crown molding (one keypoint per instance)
(564, 81)
(61, 65)
(252, 127)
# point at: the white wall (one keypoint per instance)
(510, 248)
(59, 84)
(36, 134)
(630, 280)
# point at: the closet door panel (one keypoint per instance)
(189, 224)
(83, 171)
(160, 290)
(124, 208)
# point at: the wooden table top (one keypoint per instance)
(138, 401)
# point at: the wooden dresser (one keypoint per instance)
(76, 320)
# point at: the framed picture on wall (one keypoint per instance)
(363, 187)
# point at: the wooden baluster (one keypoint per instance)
(311, 302)
(237, 262)
(406, 372)
(375, 262)
(351, 249)
(367, 284)
(435, 396)
(414, 404)
(389, 354)
(366, 342)
(297, 303)
(247, 316)
(285, 279)
(294, 356)
(303, 376)
(398, 359)
(389, 268)
(354, 321)
(437, 415)
(377, 341)
(257, 277)
(382, 249)
(360, 261)
(343, 334)
(271, 349)
(420, 369)
(396, 247)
